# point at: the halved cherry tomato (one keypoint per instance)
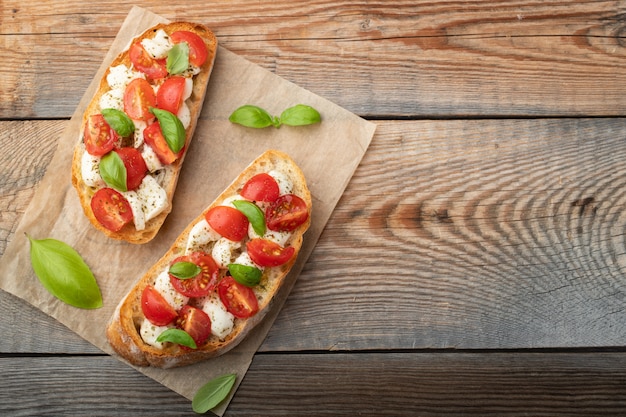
(170, 94)
(146, 63)
(138, 98)
(197, 48)
(136, 168)
(201, 284)
(238, 299)
(154, 137)
(286, 213)
(261, 187)
(111, 209)
(156, 309)
(195, 322)
(265, 252)
(99, 137)
(228, 222)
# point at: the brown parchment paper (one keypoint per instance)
(328, 153)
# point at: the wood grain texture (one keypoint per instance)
(451, 234)
(471, 234)
(475, 264)
(400, 59)
(365, 384)
(29, 147)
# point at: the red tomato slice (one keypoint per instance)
(239, 300)
(197, 48)
(286, 213)
(99, 137)
(261, 187)
(195, 322)
(201, 284)
(144, 62)
(111, 209)
(138, 98)
(170, 94)
(228, 222)
(265, 252)
(154, 137)
(136, 168)
(156, 309)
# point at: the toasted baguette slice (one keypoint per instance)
(123, 330)
(168, 177)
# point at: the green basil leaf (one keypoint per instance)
(178, 336)
(245, 274)
(172, 128)
(184, 270)
(253, 213)
(178, 58)
(300, 115)
(211, 394)
(113, 171)
(119, 121)
(64, 273)
(253, 116)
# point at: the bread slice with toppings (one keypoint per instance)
(131, 334)
(150, 202)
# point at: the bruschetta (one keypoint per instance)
(137, 128)
(219, 277)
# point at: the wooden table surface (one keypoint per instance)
(476, 262)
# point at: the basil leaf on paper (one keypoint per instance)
(113, 171)
(64, 273)
(184, 270)
(119, 121)
(253, 116)
(211, 394)
(254, 214)
(245, 274)
(300, 115)
(178, 58)
(178, 336)
(172, 128)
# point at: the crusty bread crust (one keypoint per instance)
(129, 233)
(123, 329)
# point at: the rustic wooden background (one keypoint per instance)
(475, 264)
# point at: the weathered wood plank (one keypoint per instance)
(82, 385)
(471, 234)
(368, 384)
(451, 234)
(415, 59)
(28, 148)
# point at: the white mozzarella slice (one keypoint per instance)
(244, 259)
(279, 237)
(201, 234)
(90, 170)
(222, 321)
(188, 88)
(159, 45)
(153, 197)
(113, 99)
(120, 75)
(169, 293)
(136, 206)
(140, 125)
(150, 157)
(184, 115)
(285, 186)
(150, 332)
(223, 251)
(228, 201)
